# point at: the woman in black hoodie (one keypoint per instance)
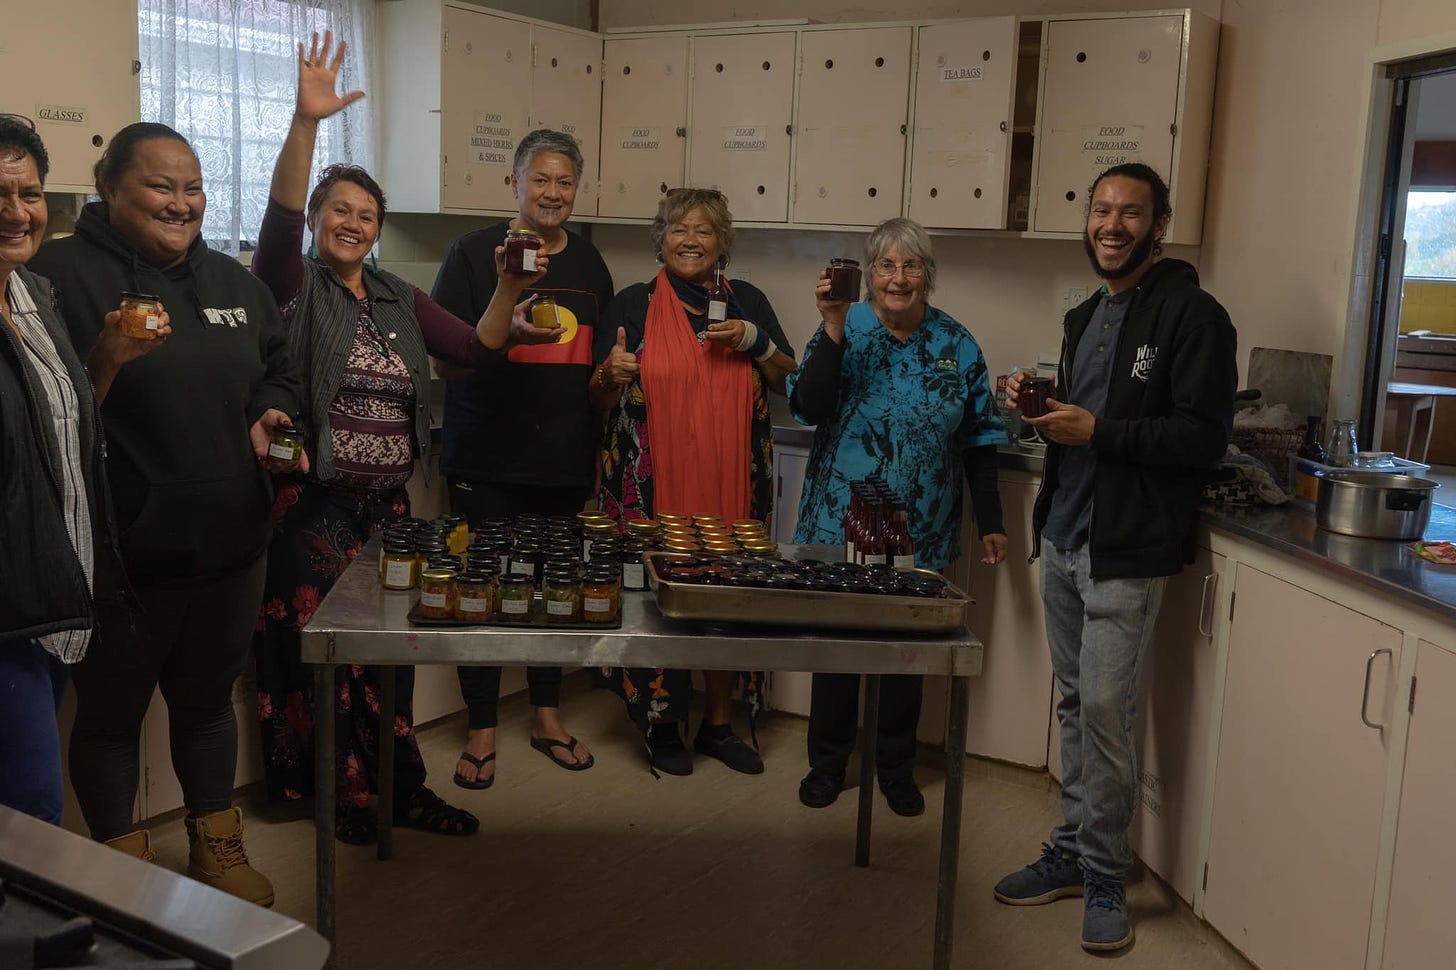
(187, 427)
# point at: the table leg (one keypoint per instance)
(867, 769)
(323, 801)
(389, 682)
(950, 821)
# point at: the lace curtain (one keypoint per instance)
(222, 72)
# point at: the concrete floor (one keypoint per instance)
(609, 868)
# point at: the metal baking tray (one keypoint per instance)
(812, 608)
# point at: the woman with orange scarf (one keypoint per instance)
(689, 432)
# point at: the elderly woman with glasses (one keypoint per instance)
(688, 432)
(898, 389)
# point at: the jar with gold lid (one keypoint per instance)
(438, 597)
(522, 247)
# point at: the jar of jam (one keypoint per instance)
(525, 559)
(594, 532)
(601, 598)
(516, 594)
(522, 247)
(545, 314)
(1033, 397)
(643, 527)
(561, 596)
(475, 597)
(634, 573)
(398, 567)
(141, 315)
(844, 279)
(285, 448)
(438, 598)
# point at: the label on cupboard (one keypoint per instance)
(745, 138)
(492, 142)
(640, 139)
(955, 75)
(1105, 145)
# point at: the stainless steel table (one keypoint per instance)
(362, 624)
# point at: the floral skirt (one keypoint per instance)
(317, 532)
(657, 694)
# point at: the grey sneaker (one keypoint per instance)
(1104, 920)
(1054, 875)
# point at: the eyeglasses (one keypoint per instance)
(7, 116)
(912, 268)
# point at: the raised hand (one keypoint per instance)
(832, 312)
(317, 79)
(620, 367)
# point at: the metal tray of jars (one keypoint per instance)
(805, 593)
(536, 619)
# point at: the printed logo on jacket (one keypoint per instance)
(1142, 364)
(232, 317)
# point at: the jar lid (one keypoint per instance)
(844, 261)
(522, 234)
(399, 546)
(516, 579)
(287, 431)
(438, 575)
(145, 297)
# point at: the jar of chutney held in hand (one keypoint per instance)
(522, 247)
(845, 279)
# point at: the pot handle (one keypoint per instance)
(1405, 499)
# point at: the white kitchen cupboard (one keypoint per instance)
(1419, 931)
(644, 123)
(1174, 725)
(1124, 89)
(853, 103)
(742, 108)
(458, 87)
(1007, 714)
(1300, 779)
(960, 159)
(71, 67)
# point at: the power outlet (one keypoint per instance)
(1073, 296)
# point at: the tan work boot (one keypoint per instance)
(217, 857)
(138, 844)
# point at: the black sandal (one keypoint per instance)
(425, 810)
(356, 825)
(475, 784)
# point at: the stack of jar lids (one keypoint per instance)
(710, 534)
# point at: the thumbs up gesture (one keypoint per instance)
(620, 367)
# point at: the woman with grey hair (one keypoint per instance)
(898, 389)
(688, 432)
(520, 434)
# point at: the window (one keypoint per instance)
(1430, 235)
(222, 72)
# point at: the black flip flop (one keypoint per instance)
(479, 763)
(545, 745)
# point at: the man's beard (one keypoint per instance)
(1141, 250)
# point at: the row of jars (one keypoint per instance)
(481, 594)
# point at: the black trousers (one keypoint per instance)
(834, 720)
(191, 642)
(480, 686)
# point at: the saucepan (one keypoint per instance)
(1375, 505)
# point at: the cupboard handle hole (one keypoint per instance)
(985, 55)
(1081, 57)
(719, 68)
(978, 193)
(761, 190)
(829, 65)
(662, 188)
(553, 62)
(97, 141)
(874, 191)
(506, 180)
(879, 62)
(934, 193)
(765, 65)
(1071, 196)
(626, 68)
(588, 68)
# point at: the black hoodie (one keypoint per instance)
(1167, 422)
(191, 500)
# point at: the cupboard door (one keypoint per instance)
(1175, 713)
(566, 94)
(1419, 932)
(789, 467)
(1109, 95)
(485, 76)
(854, 91)
(1300, 778)
(961, 153)
(644, 123)
(742, 95)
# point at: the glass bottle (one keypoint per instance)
(1313, 431)
(899, 546)
(1342, 448)
(717, 296)
(873, 552)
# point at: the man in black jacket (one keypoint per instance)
(1143, 411)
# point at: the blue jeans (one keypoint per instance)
(1098, 631)
(31, 684)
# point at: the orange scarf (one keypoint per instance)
(699, 414)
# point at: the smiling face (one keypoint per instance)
(345, 226)
(545, 191)
(897, 297)
(22, 212)
(1121, 232)
(158, 202)
(690, 247)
